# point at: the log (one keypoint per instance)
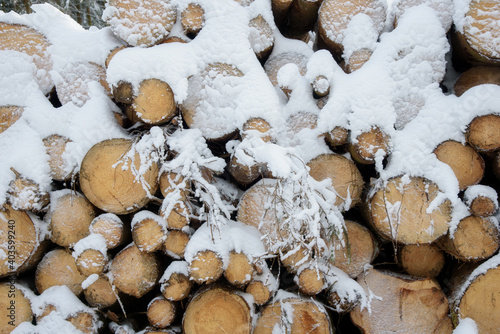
(161, 312)
(359, 249)
(199, 108)
(178, 217)
(100, 294)
(123, 92)
(25, 194)
(476, 295)
(58, 267)
(18, 240)
(398, 211)
(240, 270)
(476, 34)
(308, 317)
(495, 165)
(320, 86)
(9, 115)
(16, 308)
(70, 217)
(467, 165)
(113, 53)
(334, 18)
(425, 260)
(192, 19)
(474, 239)
(475, 76)
(310, 279)
(274, 63)
(217, 310)
(294, 256)
(261, 37)
(109, 186)
(24, 39)
(175, 243)
(403, 305)
(256, 127)
(91, 255)
(444, 10)
(55, 146)
(280, 10)
(206, 267)
(337, 136)
(110, 226)
(154, 103)
(345, 176)
(243, 173)
(483, 133)
(481, 200)
(175, 284)
(302, 16)
(149, 231)
(174, 182)
(357, 59)
(365, 147)
(133, 272)
(263, 285)
(140, 23)
(260, 292)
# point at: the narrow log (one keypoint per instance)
(482, 200)
(425, 260)
(161, 312)
(261, 37)
(149, 231)
(100, 294)
(206, 267)
(242, 173)
(217, 310)
(320, 86)
(357, 59)
(308, 317)
(365, 147)
(175, 243)
(133, 272)
(175, 284)
(178, 217)
(108, 185)
(478, 75)
(9, 115)
(18, 240)
(337, 136)
(358, 249)
(25, 194)
(110, 226)
(140, 23)
(475, 239)
(310, 279)
(345, 176)
(123, 92)
(155, 102)
(263, 285)
(192, 19)
(467, 165)
(174, 182)
(27, 40)
(55, 146)
(91, 255)
(240, 270)
(398, 211)
(256, 127)
(260, 292)
(483, 133)
(16, 308)
(58, 267)
(273, 64)
(70, 217)
(402, 305)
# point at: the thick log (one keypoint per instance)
(359, 248)
(467, 165)
(70, 217)
(100, 294)
(402, 305)
(161, 312)
(308, 317)
(478, 75)
(133, 272)
(444, 10)
(110, 226)
(58, 267)
(113, 53)
(108, 185)
(192, 19)
(16, 308)
(9, 115)
(399, 211)
(154, 103)
(140, 23)
(425, 260)
(483, 133)
(217, 310)
(474, 239)
(365, 147)
(345, 176)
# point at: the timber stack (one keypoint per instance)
(209, 209)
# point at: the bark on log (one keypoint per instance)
(403, 305)
(360, 249)
(302, 16)
(475, 76)
(425, 260)
(133, 272)
(100, 294)
(280, 10)
(111, 188)
(155, 102)
(345, 176)
(140, 23)
(483, 133)
(16, 308)
(217, 310)
(9, 115)
(70, 218)
(55, 146)
(308, 317)
(474, 239)
(161, 312)
(365, 147)
(467, 165)
(58, 267)
(398, 211)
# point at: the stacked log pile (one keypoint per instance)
(233, 167)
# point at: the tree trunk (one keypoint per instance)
(100, 294)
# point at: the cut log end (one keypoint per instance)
(154, 103)
(148, 235)
(100, 294)
(364, 149)
(239, 270)
(192, 19)
(206, 267)
(425, 260)
(177, 287)
(161, 312)
(260, 292)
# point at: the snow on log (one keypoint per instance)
(483, 133)
(91, 254)
(261, 37)
(9, 115)
(445, 9)
(154, 103)
(482, 200)
(25, 194)
(192, 19)
(369, 145)
(175, 284)
(111, 227)
(149, 231)
(100, 293)
(56, 146)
